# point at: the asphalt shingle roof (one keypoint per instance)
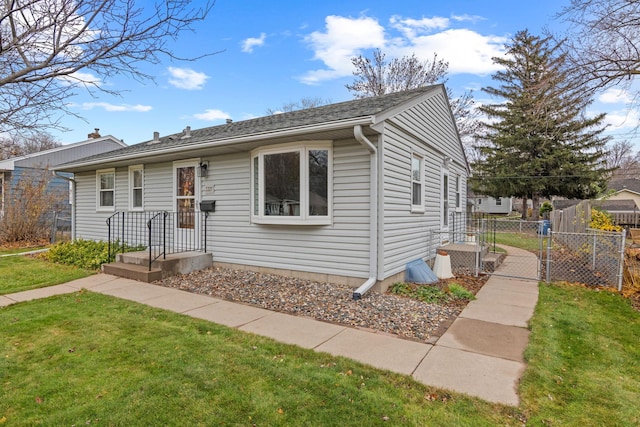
(348, 110)
(631, 184)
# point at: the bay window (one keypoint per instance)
(291, 184)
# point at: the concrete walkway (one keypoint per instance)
(481, 354)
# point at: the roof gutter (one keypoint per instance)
(373, 212)
(220, 142)
(72, 201)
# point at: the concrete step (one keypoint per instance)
(140, 273)
(132, 264)
(491, 261)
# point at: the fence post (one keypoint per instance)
(595, 248)
(548, 274)
(621, 268)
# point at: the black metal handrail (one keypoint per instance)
(158, 232)
(158, 252)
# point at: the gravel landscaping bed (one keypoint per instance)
(329, 302)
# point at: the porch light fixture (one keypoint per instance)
(203, 169)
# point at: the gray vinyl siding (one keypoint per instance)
(427, 131)
(341, 248)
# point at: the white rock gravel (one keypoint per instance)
(322, 301)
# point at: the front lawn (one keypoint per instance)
(21, 273)
(90, 359)
(584, 359)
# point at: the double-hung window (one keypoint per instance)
(136, 187)
(458, 196)
(291, 184)
(106, 186)
(417, 183)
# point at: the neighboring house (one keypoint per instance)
(15, 169)
(625, 189)
(346, 192)
(491, 205)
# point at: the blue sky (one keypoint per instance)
(276, 52)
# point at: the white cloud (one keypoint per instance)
(80, 77)
(212, 115)
(615, 96)
(622, 120)
(466, 51)
(115, 108)
(412, 27)
(251, 42)
(343, 38)
(186, 78)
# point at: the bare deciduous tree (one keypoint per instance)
(302, 104)
(21, 145)
(49, 49)
(624, 162)
(604, 41)
(376, 77)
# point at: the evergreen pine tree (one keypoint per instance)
(538, 142)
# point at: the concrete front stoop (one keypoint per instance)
(135, 265)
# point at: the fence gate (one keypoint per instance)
(496, 234)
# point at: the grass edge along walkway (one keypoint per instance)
(86, 357)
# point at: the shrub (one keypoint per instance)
(460, 292)
(88, 254)
(430, 294)
(401, 289)
(28, 208)
(602, 220)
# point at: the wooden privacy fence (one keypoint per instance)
(574, 219)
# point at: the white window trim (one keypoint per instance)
(132, 170)
(444, 210)
(458, 193)
(98, 206)
(418, 208)
(304, 219)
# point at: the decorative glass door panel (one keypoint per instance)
(186, 196)
(186, 189)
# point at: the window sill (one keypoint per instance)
(291, 221)
(106, 209)
(417, 209)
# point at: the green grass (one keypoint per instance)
(21, 273)
(86, 358)
(584, 359)
(525, 241)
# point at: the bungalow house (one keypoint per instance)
(15, 169)
(491, 205)
(346, 192)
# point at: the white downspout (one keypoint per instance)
(373, 213)
(73, 202)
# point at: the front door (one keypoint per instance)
(187, 196)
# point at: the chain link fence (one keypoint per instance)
(594, 258)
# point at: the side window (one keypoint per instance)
(445, 198)
(106, 189)
(136, 188)
(417, 183)
(458, 197)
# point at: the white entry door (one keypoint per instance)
(187, 196)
